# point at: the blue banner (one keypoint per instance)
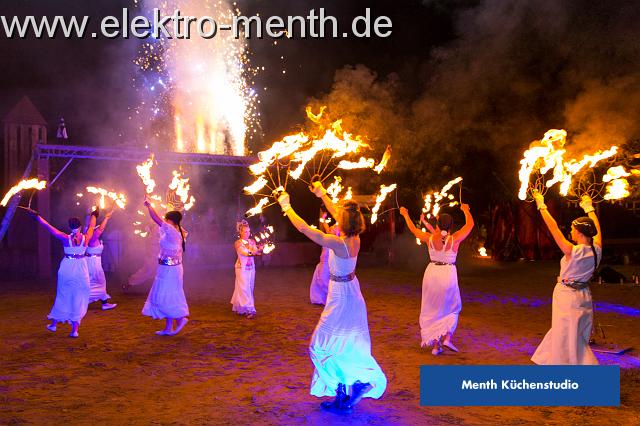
(521, 385)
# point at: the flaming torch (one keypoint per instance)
(144, 171)
(34, 183)
(434, 201)
(384, 191)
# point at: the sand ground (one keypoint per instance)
(224, 369)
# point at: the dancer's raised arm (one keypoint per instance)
(52, 229)
(320, 192)
(460, 235)
(421, 235)
(152, 212)
(564, 244)
(318, 237)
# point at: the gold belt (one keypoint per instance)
(93, 255)
(443, 263)
(343, 278)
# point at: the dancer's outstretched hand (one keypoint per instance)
(587, 204)
(539, 199)
(147, 203)
(317, 188)
(285, 202)
(404, 212)
(465, 207)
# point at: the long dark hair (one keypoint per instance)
(176, 217)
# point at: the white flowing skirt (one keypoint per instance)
(97, 280)
(72, 293)
(242, 299)
(146, 272)
(567, 342)
(441, 303)
(320, 284)
(166, 298)
(340, 347)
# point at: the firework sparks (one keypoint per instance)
(204, 84)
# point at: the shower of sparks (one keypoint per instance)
(197, 93)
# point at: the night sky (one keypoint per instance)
(459, 84)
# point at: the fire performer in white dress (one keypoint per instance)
(246, 249)
(72, 292)
(321, 276)
(166, 298)
(97, 277)
(340, 346)
(441, 302)
(567, 342)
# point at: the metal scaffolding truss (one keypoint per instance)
(139, 155)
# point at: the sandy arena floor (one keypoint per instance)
(224, 369)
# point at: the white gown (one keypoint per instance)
(441, 303)
(242, 298)
(320, 281)
(96, 274)
(340, 346)
(166, 298)
(72, 293)
(567, 342)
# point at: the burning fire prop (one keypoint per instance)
(119, 200)
(434, 201)
(264, 239)
(177, 196)
(309, 157)
(384, 191)
(576, 177)
(24, 184)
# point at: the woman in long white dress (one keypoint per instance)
(441, 302)
(72, 291)
(340, 346)
(567, 342)
(166, 299)
(320, 282)
(97, 278)
(246, 249)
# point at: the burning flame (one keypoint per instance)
(335, 188)
(363, 163)
(617, 189)
(384, 191)
(144, 171)
(120, 200)
(385, 159)
(548, 154)
(433, 202)
(181, 187)
(615, 173)
(348, 195)
(260, 183)
(483, 252)
(22, 185)
(258, 208)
